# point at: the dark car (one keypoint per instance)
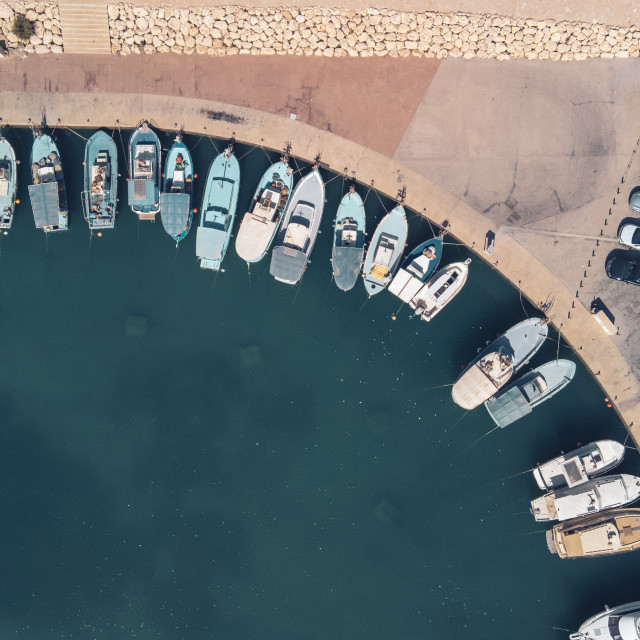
(624, 268)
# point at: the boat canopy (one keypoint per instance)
(174, 211)
(405, 286)
(45, 204)
(210, 243)
(287, 264)
(509, 407)
(346, 265)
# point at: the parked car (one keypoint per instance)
(624, 268)
(629, 234)
(634, 200)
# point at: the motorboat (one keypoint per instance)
(520, 397)
(592, 496)
(348, 240)
(177, 191)
(100, 194)
(143, 187)
(8, 183)
(600, 534)
(579, 466)
(615, 623)
(416, 269)
(495, 365)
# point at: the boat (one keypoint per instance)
(580, 465)
(177, 191)
(600, 534)
(260, 225)
(495, 365)
(299, 229)
(348, 240)
(616, 623)
(440, 290)
(48, 193)
(590, 497)
(100, 195)
(8, 183)
(416, 269)
(144, 168)
(520, 397)
(218, 210)
(385, 250)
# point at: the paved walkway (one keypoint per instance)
(514, 133)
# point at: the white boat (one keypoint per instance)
(440, 290)
(580, 465)
(300, 226)
(603, 493)
(618, 623)
(496, 364)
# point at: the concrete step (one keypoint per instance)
(85, 27)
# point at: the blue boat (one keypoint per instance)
(144, 173)
(260, 225)
(100, 195)
(218, 210)
(177, 191)
(8, 183)
(48, 193)
(519, 398)
(416, 269)
(299, 229)
(348, 240)
(385, 250)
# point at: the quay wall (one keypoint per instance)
(323, 31)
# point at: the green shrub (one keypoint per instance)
(22, 27)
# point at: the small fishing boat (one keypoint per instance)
(177, 191)
(348, 240)
(616, 623)
(218, 210)
(590, 497)
(385, 250)
(495, 365)
(580, 465)
(299, 229)
(259, 225)
(100, 195)
(8, 183)
(520, 397)
(601, 534)
(440, 290)
(48, 193)
(416, 269)
(144, 168)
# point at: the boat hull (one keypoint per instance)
(519, 398)
(297, 235)
(260, 225)
(100, 195)
(219, 205)
(348, 241)
(602, 534)
(385, 251)
(8, 184)
(580, 465)
(614, 623)
(594, 496)
(143, 186)
(440, 290)
(48, 191)
(177, 190)
(494, 366)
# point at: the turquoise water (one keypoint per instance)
(185, 455)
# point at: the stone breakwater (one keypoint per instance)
(47, 34)
(310, 31)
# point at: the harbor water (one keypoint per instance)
(192, 455)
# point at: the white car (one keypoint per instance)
(629, 234)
